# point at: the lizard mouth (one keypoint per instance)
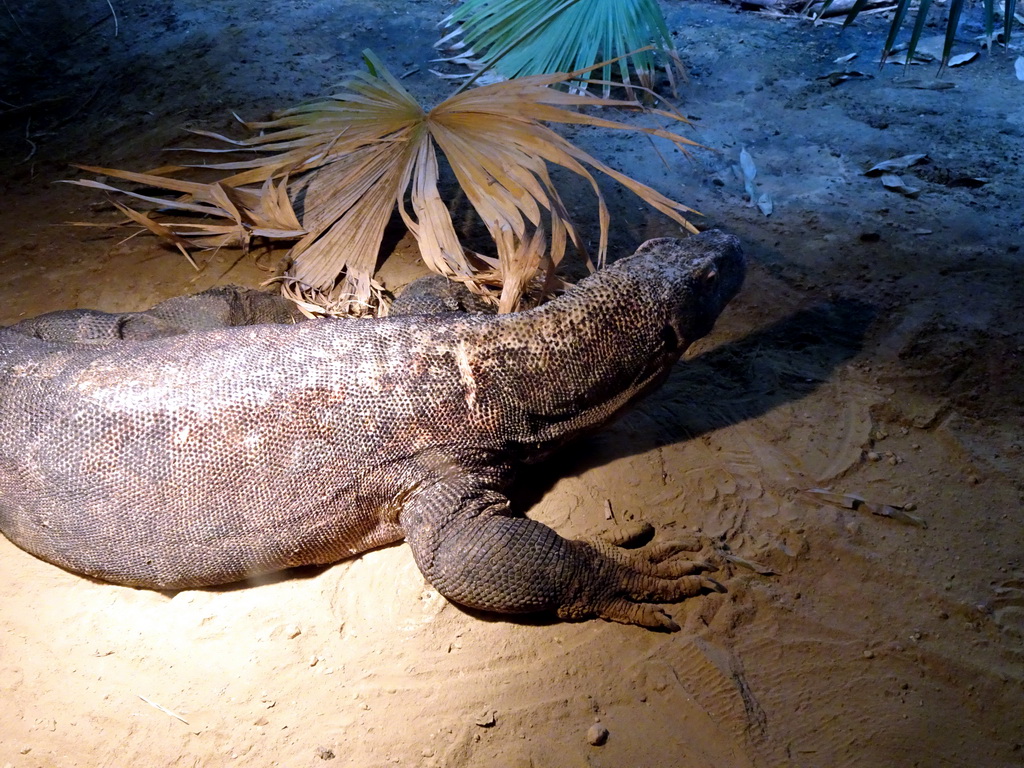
(671, 338)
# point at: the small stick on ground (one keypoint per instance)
(165, 710)
(114, 14)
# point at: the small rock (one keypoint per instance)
(314, 660)
(324, 753)
(292, 631)
(488, 719)
(973, 479)
(874, 456)
(869, 654)
(597, 735)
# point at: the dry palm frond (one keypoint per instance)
(314, 303)
(362, 153)
(519, 38)
(266, 212)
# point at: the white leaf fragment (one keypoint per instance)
(895, 164)
(749, 173)
(962, 58)
(749, 169)
(893, 182)
(747, 165)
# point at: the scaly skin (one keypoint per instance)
(221, 453)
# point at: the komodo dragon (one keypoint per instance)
(158, 450)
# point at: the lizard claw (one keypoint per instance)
(714, 586)
(625, 585)
(640, 614)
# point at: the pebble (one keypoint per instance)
(874, 456)
(597, 735)
(869, 654)
(292, 631)
(488, 719)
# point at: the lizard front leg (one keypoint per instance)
(476, 552)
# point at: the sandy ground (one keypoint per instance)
(875, 350)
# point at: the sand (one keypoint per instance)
(876, 350)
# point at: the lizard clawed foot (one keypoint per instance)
(623, 584)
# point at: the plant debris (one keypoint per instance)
(859, 504)
(748, 170)
(895, 164)
(352, 159)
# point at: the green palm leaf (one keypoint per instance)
(952, 22)
(529, 37)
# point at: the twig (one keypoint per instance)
(28, 128)
(112, 13)
(14, 19)
(881, 9)
(81, 106)
(165, 710)
(14, 111)
(65, 46)
(769, 13)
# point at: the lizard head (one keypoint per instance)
(574, 363)
(691, 281)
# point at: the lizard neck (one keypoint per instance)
(573, 364)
